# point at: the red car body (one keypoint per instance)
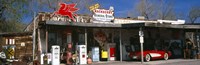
(154, 54)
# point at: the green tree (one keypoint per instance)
(12, 26)
(11, 13)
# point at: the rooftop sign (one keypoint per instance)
(103, 11)
(93, 7)
(103, 15)
(67, 10)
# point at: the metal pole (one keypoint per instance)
(34, 30)
(120, 36)
(141, 34)
(198, 43)
(85, 42)
(142, 59)
(86, 38)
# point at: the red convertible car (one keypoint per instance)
(150, 55)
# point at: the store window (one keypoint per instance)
(81, 39)
(51, 40)
(10, 41)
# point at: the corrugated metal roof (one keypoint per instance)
(128, 25)
(80, 24)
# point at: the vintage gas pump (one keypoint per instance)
(45, 59)
(55, 55)
(82, 54)
(95, 54)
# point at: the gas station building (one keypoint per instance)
(101, 37)
(111, 40)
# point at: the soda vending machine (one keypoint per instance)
(112, 54)
(55, 55)
(112, 51)
(82, 54)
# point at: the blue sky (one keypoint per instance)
(122, 7)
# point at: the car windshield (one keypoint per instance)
(145, 47)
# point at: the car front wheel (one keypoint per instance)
(147, 58)
(166, 56)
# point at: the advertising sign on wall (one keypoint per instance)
(103, 15)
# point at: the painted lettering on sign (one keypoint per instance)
(102, 11)
(103, 15)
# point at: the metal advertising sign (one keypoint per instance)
(67, 10)
(10, 52)
(93, 7)
(103, 15)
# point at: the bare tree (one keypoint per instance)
(145, 8)
(194, 14)
(157, 9)
(166, 10)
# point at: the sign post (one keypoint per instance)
(141, 34)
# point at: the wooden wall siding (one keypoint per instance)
(20, 51)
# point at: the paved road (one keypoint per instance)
(156, 62)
